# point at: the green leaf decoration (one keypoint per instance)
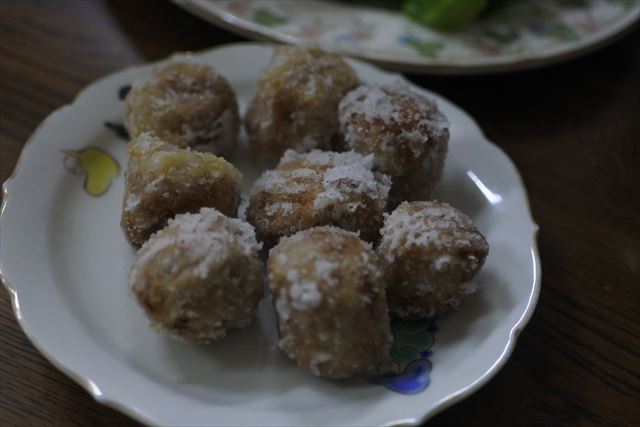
(266, 17)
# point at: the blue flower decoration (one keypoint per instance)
(412, 380)
(408, 367)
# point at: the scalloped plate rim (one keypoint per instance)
(93, 388)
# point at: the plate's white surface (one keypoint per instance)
(64, 260)
(522, 34)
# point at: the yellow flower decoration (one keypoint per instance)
(98, 167)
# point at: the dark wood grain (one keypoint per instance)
(573, 130)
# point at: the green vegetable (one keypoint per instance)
(444, 14)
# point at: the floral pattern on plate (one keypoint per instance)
(96, 165)
(519, 32)
(408, 367)
(244, 379)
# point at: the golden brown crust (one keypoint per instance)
(405, 132)
(420, 182)
(296, 104)
(318, 188)
(330, 301)
(429, 252)
(199, 276)
(162, 181)
(186, 105)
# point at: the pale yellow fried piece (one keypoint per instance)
(163, 180)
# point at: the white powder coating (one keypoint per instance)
(322, 158)
(306, 289)
(381, 102)
(279, 208)
(431, 225)
(305, 295)
(147, 142)
(330, 301)
(187, 103)
(430, 253)
(153, 185)
(283, 308)
(307, 68)
(296, 103)
(340, 181)
(204, 238)
(180, 85)
(338, 175)
(442, 262)
(242, 207)
(132, 201)
(370, 101)
(326, 269)
(304, 235)
(389, 105)
(400, 127)
(292, 275)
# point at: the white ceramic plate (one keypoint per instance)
(64, 261)
(521, 35)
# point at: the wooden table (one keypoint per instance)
(573, 130)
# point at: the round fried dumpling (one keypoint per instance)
(319, 188)
(162, 180)
(296, 104)
(186, 105)
(330, 301)
(199, 276)
(405, 132)
(429, 252)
